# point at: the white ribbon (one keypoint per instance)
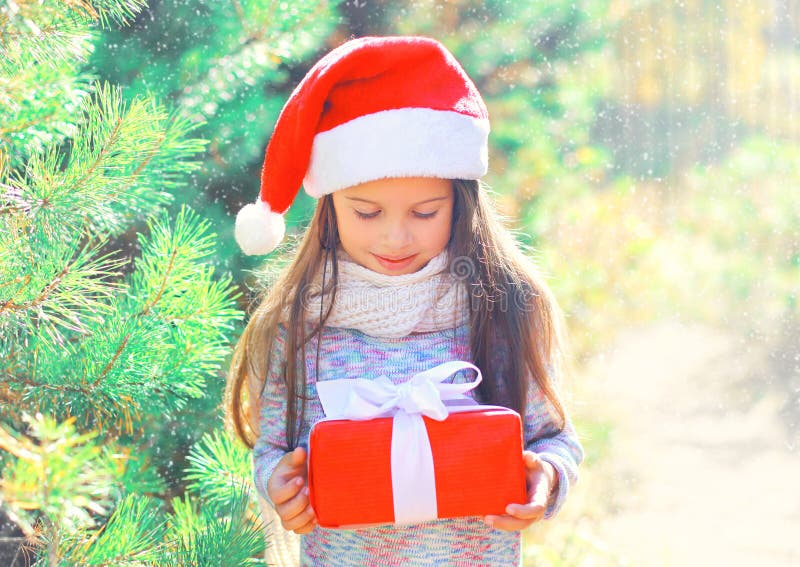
(413, 479)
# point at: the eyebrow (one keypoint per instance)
(415, 204)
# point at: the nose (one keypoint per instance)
(397, 235)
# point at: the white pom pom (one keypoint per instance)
(258, 229)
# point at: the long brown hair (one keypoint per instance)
(511, 308)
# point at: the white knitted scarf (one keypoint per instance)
(430, 299)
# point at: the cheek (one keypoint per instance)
(438, 233)
(355, 233)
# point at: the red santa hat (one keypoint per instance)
(374, 107)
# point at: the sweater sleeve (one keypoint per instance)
(271, 443)
(562, 450)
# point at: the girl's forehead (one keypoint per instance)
(398, 190)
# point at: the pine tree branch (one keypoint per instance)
(86, 391)
(41, 31)
(153, 152)
(25, 280)
(170, 285)
(18, 279)
(118, 155)
(17, 447)
(10, 305)
(111, 362)
(71, 298)
(36, 32)
(19, 127)
(121, 11)
(266, 41)
(67, 299)
(112, 138)
(105, 405)
(38, 102)
(149, 305)
(83, 6)
(136, 172)
(16, 378)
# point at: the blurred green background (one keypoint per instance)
(649, 152)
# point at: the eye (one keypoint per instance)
(426, 215)
(367, 216)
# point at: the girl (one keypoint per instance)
(405, 265)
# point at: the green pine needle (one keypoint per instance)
(218, 536)
(218, 463)
(133, 535)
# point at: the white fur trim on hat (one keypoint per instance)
(404, 142)
(258, 229)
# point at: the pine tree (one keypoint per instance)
(112, 319)
(233, 64)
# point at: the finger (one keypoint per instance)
(306, 516)
(507, 523)
(292, 463)
(294, 506)
(526, 511)
(284, 471)
(298, 457)
(309, 527)
(539, 492)
(282, 492)
(532, 460)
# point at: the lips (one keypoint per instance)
(395, 265)
(390, 259)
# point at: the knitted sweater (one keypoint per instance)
(347, 353)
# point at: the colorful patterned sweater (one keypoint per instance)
(464, 542)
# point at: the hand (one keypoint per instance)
(288, 490)
(541, 477)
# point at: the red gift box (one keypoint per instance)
(477, 456)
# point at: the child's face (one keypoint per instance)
(408, 217)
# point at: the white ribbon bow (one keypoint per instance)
(413, 479)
